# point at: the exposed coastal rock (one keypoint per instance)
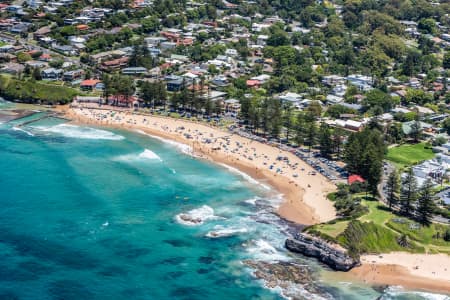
(334, 257)
(296, 281)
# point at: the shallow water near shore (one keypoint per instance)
(96, 213)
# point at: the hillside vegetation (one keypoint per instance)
(34, 92)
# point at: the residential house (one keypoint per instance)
(45, 57)
(37, 64)
(115, 64)
(73, 75)
(65, 49)
(407, 127)
(175, 85)
(90, 84)
(12, 68)
(430, 169)
(20, 28)
(232, 106)
(220, 81)
(290, 97)
(363, 83)
(51, 74)
(41, 32)
(261, 40)
(134, 71)
(333, 99)
(99, 57)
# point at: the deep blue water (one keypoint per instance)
(89, 213)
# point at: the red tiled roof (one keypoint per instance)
(89, 82)
(122, 98)
(355, 178)
(165, 66)
(251, 82)
(82, 27)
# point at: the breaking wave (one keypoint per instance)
(144, 155)
(220, 231)
(186, 149)
(197, 216)
(395, 292)
(73, 131)
(22, 130)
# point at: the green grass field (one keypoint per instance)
(378, 213)
(426, 236)
(408, 155)
(332, 230)
(377, 231)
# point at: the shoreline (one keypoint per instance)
(298, 194)
(305, 196)
(426, 272)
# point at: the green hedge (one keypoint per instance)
(34, 92)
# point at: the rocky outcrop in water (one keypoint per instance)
(315, 247)
(296, 281)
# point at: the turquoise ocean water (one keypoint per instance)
(92, 213)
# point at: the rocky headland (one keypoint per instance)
(332, 255)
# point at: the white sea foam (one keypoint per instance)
(396, 291)
(22, 130)
(197, 216)
(220, 231)
(252, 201)
(263, 250)
(147, 155)
(180, 146)
(273, 202)
(73, 131)
(295, 291)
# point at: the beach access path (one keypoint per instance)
(304, 190)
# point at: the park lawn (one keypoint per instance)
(378, 213)
(377, 231)
(408, 155)
(421, 234)
(332, 230)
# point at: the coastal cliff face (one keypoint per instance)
(318, 248)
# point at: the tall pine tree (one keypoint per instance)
(408, 193)
(325, 142)
(426, 205)
(393, 188)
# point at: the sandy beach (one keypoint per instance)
(304, 193)
(429, 272)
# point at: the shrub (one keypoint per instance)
(447, 235)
